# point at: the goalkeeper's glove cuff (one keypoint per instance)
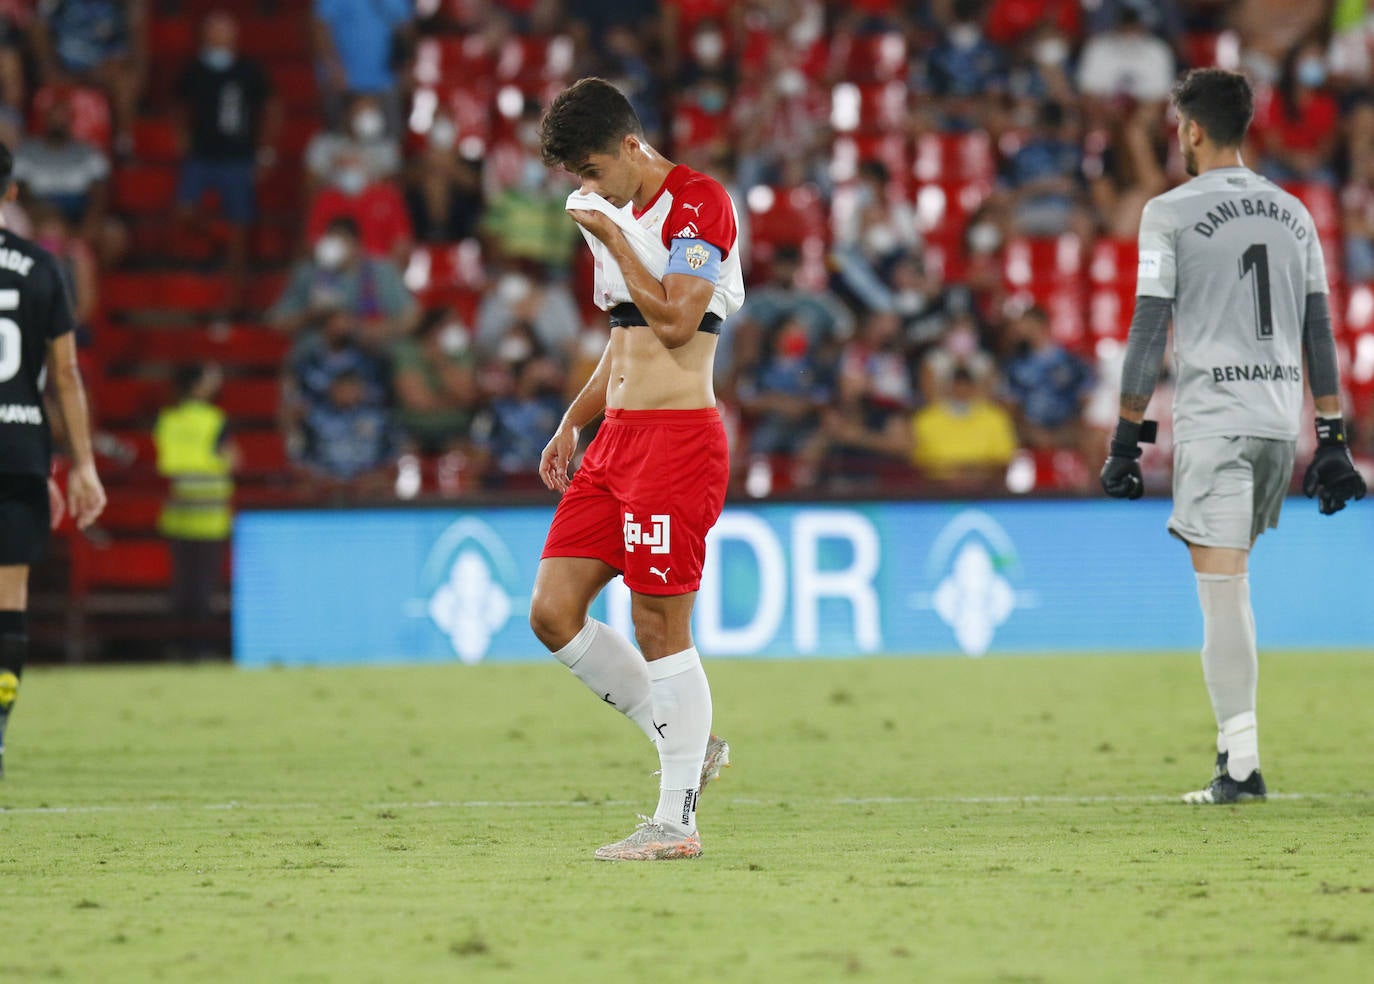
(1130, 435)
(1330, 432)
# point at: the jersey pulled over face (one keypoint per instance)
(33, 311)
(694, 219)
(1238, 256)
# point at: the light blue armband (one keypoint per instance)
(695, 258)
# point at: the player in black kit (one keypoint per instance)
(35, 338)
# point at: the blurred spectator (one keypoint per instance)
(376, 206)
(323, 354)
(75, 263)
(962, 440)
(965, 71)
(1297, 121)
(1045, 177)
(1163, 18)
(875, 230)
(362, 139)
(1011, 21)
(545, 306)
(348, 438)
(196, 454)
(878, 357)
(16, 19)
(227, 122)
(1126, 61)
(627, 68)
(340, 275)
(784, 397)
(1348, 55)
(1039, 72)
(69, 175)
(1127, 174)
(358, 48)
(525, 218)
(435, 382)
(1357, 219)
(1047, 385)
(957, 347)
(520, 420)
(861, 431)
(443, 188)
(101, 41)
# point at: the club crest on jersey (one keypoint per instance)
(654, 534)
(696, 256)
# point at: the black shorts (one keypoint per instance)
(24, 517)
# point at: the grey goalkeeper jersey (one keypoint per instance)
(1238, 256)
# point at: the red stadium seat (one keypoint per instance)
(132, 511)
(129, 400)
(1044, 260)
(251, 398)
(943, 207)
(150, 188)
(262, 452)
(155, 142)
(779, 216)
(124, 563)
(872, 107)
(441, 60)
(850, 150)
(954, 156)
(868, 57)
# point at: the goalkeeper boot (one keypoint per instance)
(717, 758)
(652, 841)
(1223, 789)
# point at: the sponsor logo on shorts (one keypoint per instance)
(655, 534)
(696, 256)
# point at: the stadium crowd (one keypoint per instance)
(938, 204)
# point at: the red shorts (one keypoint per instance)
(650, 487)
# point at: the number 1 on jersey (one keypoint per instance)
(1256, 258)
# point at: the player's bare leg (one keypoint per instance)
(14, 641)
(603, 659)
(682, 719)
(1230, 666)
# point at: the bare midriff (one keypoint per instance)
(646, 375)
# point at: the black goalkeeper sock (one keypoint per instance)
(14, 649)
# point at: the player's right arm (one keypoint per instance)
(589, 403)
(1154, 306)
(85, 495)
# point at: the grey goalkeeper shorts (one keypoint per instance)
(1229, 490)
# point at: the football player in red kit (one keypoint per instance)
(653, 481)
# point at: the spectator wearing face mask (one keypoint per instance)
(518, 298)
(961, 440)
(874, 230)
(1127, 61)
(70, 175)
(356, 51)
(1297, 123)
(443, 188)
(76, 265)
(964, 70)
(375, 205)
(435, 381)
(363, 138)
(339, 274)
(347, 440)
(227, 122)
(525, 218)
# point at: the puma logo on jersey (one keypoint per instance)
(696, 209)
(661, 573)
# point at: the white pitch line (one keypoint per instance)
(1028, 800)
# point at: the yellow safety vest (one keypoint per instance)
(187, 438)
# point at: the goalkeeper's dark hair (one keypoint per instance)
(6, 168)
(1220, 102)
(591, 116)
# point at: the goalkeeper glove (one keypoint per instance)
(1121, 478)
(1331, 476)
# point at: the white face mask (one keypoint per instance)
(880, 239)
(708, 47)
(218, 58)
(369, 124)
(351, 180)
(453, 339)
(1051, 52)
(514, 348)
(790, 82)
(331, 252)
(443, 134)
(964, 36)
(513, 288)
(984, 238)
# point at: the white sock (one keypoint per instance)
(1242, 745)
(613, 669)
(682, 718)
(1230, 663)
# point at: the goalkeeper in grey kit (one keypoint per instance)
(1236, 263)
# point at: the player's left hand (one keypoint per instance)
(1121, 477)
(597, 223)
(1332, 477)
(57, 508)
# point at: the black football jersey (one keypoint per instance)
(34, 310)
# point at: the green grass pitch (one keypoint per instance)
(1008, 819)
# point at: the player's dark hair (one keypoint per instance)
(1220, 102)
(591, 116)
(6, 168)
(187, 378)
